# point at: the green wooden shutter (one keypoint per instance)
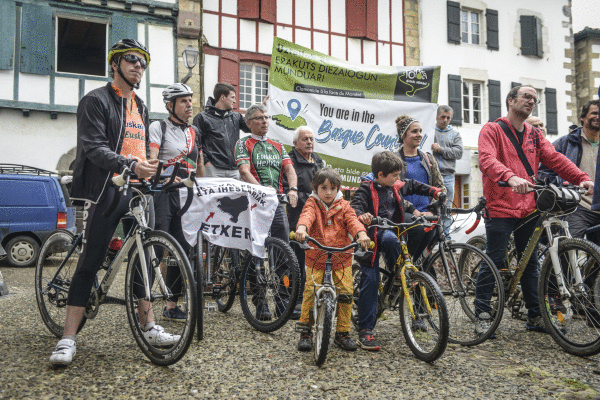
(455, 98)
(495, 100)
(7, 33)
(491, 17)
(37, 39)
(123, 28)
(515, 84)
(531, 36)
(453, 9)
(551, 112)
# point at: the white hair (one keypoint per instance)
(301, 129)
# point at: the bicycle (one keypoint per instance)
(416, 295)
(144, 279)
(569, 305)
(270, 283)
(455, 266)
(327, 296)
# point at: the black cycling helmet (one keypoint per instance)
(123, 46)
(175, 91)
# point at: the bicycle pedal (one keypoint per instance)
(210, 307)
(301, 327)
(216, 291)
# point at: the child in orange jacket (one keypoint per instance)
(329, 219)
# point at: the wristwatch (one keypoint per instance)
(293, 188)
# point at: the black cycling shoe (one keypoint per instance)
(263, 313)
(343, 340)
(305, 343)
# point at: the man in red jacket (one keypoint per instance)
(508, 206)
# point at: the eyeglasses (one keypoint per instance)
(529, 97)
(263, 118)
(130, 58)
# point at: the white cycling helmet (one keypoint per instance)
(176, 90)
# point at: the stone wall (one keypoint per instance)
(587, 60)
(411, 32)
(570, 65)
(189, 33)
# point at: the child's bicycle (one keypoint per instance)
(327, 296)
(421, 304)
(146, 252)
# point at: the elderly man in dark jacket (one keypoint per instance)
(306, 164)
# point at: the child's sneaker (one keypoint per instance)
(305, 343)
(536, 324)
(343, 340)
(367, 341)
(63, 353)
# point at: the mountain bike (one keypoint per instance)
(327, 296)
(421, 305)
(146, 253)
(268, 287)
(454, 267)
(569, 303)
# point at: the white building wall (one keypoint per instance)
(476, 62)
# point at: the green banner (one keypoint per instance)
(297, 69)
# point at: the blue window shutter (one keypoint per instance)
(37, 40)
(7, 33)
(123, 28)
(515, 84)
(455, 98)
(495, 100)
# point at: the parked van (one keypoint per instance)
(33, 203)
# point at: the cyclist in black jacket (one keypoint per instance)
(219, 131)
(112, 133)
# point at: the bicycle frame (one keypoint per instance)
(326, 286)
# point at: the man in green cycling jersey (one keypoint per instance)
(263, 161)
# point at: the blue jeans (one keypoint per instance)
(449, 183)
(389, 245)
(500, 229)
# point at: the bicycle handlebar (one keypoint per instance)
(153, 185)
(578, 189)
(354, 245)
(384, 223)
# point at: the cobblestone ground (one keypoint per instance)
(235, 361)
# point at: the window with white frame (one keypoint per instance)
(472, 98)
(470, 26)
(536, 112)
(81, 46)
(254, 81)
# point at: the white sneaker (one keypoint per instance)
(63, 353)
(158, 337)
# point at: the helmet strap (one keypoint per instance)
(133, 86)
(175, 116)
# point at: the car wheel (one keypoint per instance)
(22, 251)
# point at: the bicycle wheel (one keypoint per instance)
(200, 284)
(53, 273)
(574, 321)
(160, 349)
(322, 327)
(269, 287)
(225, 277)
(429, 338)
(384, 275)
(464, 262)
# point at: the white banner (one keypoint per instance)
(345, 127)
(230, 213)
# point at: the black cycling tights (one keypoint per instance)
(97, 233)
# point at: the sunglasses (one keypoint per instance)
(130, 58)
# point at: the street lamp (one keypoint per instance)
(190, 59)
